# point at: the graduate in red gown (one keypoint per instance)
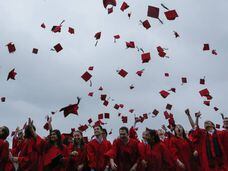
(96, 150)
(18, 140)
(5, 163)
(29, 157)
(156, 156)
(124, 154)
(55, 153)
(78, 156)
(182, 150)
(212, 154)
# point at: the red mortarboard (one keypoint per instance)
(217, 126)
(107, 115)
(71, 30)
(171, 14)
(131, 110)
(207, 103)
(43, 25)
(129, 15)
(176, 34)
(46, 126)
(91, 68)
(184, 80)
(202, 81)
(140, 72)
(204, 92)
(145, 116)
(214, 52)
(3, 99)
(122, 73)
(153, 12)
(56, 29)
(161, 51)
(109, 2)
(116, 37)
(83, 128)
(90, 94)
(90, 121)
(110, 10)
(166, 74)
(209, 97)
(12, 74)
(58, 47)
(124, 119)
(97, 35)
(206, 47)
(100, 116)
(166, 114)
(105, 103)
(155, 112)
(173, 90)
(100, 88)
(164, 93)
(86, 76)
(145, 57)
(124, 6)
(70, 109)
(171, 121)
(146, 24)
(130, 44)
(216, 109)
(121, 106)
(103, 97)
(35, 50)
(169, 106)
(116, 106)
(11, 47)
(131, 87)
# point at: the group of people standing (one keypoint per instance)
(159, 150)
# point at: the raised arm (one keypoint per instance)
(190, 118)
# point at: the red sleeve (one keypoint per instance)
(4, 149)
(173, 148)
(113, 151)
(142, 150)
(167, 157)
(91, 155)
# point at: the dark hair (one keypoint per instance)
(99, 127)
(59, 140)
(28, 131)
(124, 128)
(105, 131)
(153, 133)
(5, 132)
(184, 134)
(81, 142)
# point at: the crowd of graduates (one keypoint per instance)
(172, 149)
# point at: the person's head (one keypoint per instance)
(179, 131)
(208, 125)
(77, 136)
(145, 135)
(55, 136)
(161, 134)
(29, 131)
(225, 122)
(4, 132)
(153, 137)
(123, 133)
(97, 130)
(104, 133)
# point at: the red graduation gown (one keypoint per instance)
(124, 155)
(157, 158)
(96, 154)
(201, 135)
(5, 163)
(182, 150)
(75, 161)
(29, 155)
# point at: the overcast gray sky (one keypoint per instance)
(48, 81)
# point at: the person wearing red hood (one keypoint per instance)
(212, 154)
(96, 150)
(124, 153)
(5, 163)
